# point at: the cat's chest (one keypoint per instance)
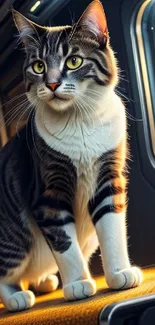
(83, 140)
(84, 148)
(84, 144)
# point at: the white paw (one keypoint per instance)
(81, 289)
(50, 284)
(21, 300)
(125, 279)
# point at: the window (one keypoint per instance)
(145, 39)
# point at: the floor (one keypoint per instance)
(52, 309)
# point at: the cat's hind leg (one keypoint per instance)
(15, 252)
(48, 285)
(12, 293)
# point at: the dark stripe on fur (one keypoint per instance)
(82, 72)
(111, 170)
(75, 49)
(53, 220)
(58, 239)
(65, 49)
(99, 66)
(53, 203)
(108, 191)
(96, 79)
(106, 175)
(104, 210)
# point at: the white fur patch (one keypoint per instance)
(111, 232)
(41, 262)
(84, 141)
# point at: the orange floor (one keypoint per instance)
(52, 309)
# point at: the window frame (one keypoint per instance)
(137, 107)
(145, 73)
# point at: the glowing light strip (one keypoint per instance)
(35, 6)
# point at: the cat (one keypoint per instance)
(63, 177)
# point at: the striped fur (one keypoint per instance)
(110, 194)
(63, 178)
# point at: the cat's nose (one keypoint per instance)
(54, 85)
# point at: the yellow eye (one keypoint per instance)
(74, 62)
(38, 67)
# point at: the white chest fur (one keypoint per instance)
(84, 140)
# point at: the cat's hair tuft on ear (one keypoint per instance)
(25, 27)
(94, 19)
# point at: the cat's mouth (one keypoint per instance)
(60, 102)
(57, 97)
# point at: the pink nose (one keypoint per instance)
(54, 85)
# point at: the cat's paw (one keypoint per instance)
(21, 300)
(125, 279)
(50, 284)
(81, 289)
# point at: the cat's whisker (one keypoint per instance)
(94, 91)
(88, 107)
(5, 122)
(26, 109)
(16, 111)
(77, 108)
(96, 104)
(13, 99)
(13, 108)
(13, 115)
(123, 95)
(72, 17)
(132, 118)
(85, 111)
(123, 79)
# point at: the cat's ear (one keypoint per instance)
(94, 19)
(25, 27)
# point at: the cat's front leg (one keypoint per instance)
(109, 217)
(58, 227)
(113, 243)
(77, 282)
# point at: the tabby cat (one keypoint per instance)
(63, 183)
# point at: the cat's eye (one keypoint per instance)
(38, 67)
(74, 62)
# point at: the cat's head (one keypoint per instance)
(67, 66)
